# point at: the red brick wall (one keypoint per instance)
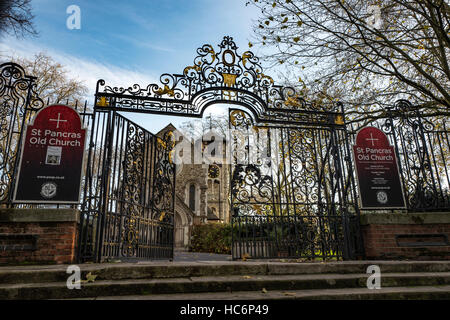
(380, 241)
(37, 242)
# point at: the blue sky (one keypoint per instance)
(134, 41)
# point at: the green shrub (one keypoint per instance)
(212, 238)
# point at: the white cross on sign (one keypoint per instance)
(372, 139)
(58, 120)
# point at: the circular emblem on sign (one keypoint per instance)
(48, 190)
(382, 197)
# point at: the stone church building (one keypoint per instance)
(201, 193)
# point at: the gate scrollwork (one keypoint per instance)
(18, 103)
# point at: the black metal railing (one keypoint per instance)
(292, 190)
(309, 237)
(422, 147)
(19, 103)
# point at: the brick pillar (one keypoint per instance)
(416, 236)
(38, 236)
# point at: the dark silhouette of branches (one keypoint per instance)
(16, 18)
(364, 53)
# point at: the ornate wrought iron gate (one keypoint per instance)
(422, 145)
(292, 190)
(319, 224)
(18, 104)
(128, 205)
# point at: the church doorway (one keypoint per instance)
(179, 233)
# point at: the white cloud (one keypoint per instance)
(142, 43)
(90, 71)
(86, 70)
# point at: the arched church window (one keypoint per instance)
(216, 186)
(192, 197)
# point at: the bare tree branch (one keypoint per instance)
(16, 18)
(53, 83)
(334, 50)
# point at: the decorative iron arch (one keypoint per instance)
(218, 76)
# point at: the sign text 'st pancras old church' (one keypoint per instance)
(377, 170)
(52, 157)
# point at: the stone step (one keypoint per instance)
(152, 270)
(385, 293)
(58, 290)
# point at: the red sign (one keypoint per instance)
(376, 166)
(52, 157)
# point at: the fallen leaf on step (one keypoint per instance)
(90, 277)
(245, 256)
(264, 290)
(247, 277)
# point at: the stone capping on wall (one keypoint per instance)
(39, 215)
(368, 218)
